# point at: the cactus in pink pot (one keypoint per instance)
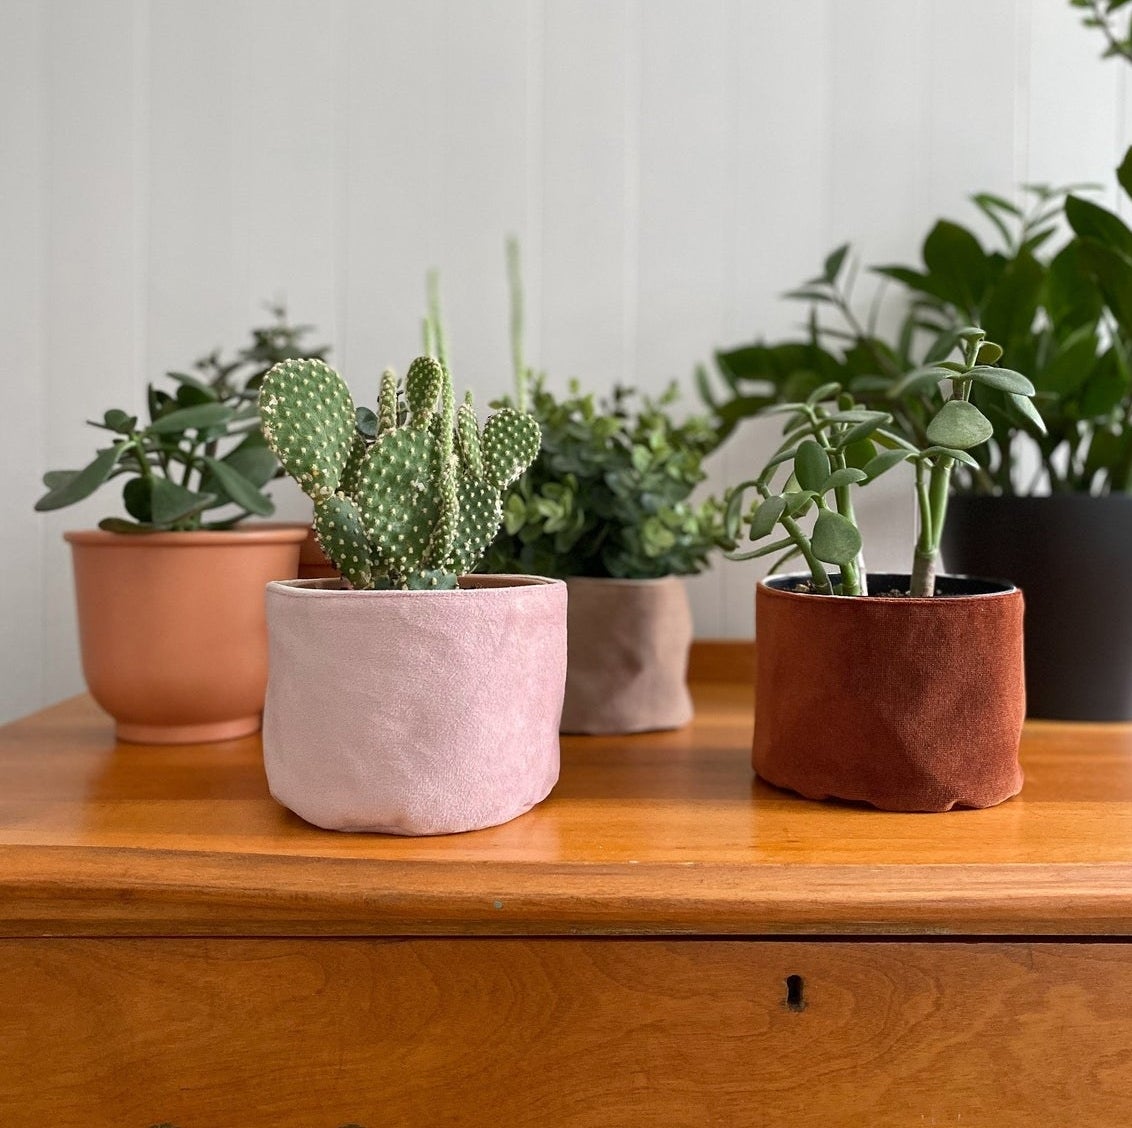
(415, 504)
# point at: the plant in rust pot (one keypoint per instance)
(409, 697)
(606, 507)
(170, 598)
(902, 691)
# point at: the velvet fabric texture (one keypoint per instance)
(414, 712)
(905, 704)
(628, 656)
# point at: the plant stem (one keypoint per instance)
(933, 481)
(817, 571)
(515, 281)
(435, 318)
(844, 498)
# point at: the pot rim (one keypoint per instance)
(643, 581)
(1007, 588)
(1071, 497)
(266, 533)
(332, 589)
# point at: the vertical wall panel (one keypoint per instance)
(393, 184)
(684, 237)
(91, 269)
(22, 113)
(286, 156)
(779, 212)
(1074, 102)
(970, 120)
(589, 171)
(194, 304)
(485, 176)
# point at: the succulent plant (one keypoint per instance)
(201, 450)
(608, 494)
(832, 444)
(409, 496)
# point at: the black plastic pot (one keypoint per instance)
(1070, 555)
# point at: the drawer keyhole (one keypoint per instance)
(795, 997)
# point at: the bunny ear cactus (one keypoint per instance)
(416, 506)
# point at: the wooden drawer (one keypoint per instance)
(511, 1033)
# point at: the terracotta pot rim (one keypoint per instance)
(477, 588)
(625, 581)
(1008, 590)
(197, 538)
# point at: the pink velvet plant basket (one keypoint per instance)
(414, 712)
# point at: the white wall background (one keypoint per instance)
(671, 167)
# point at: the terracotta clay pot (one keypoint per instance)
(628, 656)
(414, 712)
(905, 704)
(313, 562)
(172, 628)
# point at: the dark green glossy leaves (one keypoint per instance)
(72, 486)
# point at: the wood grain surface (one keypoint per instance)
(657, 834)
(530, 1033)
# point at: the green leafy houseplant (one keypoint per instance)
(414, 506)
(1102, 14)
(832, 445)
(608, 494)
(1064, 316)
(200, 451)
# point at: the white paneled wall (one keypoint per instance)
(671, 166)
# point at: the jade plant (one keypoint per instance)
(609, 493)
(200, 451)
(834, 445)
(408, 496)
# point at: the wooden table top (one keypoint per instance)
(655, 834)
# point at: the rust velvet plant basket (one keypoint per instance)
(907, 704)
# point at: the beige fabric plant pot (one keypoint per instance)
(414, 712)
(628, 647)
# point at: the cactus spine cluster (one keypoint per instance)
(416, 505)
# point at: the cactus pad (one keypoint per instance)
(387, 402)
(417, 505)
(509, 445)
(398, 498)
(342, 537)
(308, 421)
(423, 382)
(480, 515)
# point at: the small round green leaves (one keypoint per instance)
(961, 425)
(1003, 379)
(811, 465)
(766, 516)
(836, 539)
